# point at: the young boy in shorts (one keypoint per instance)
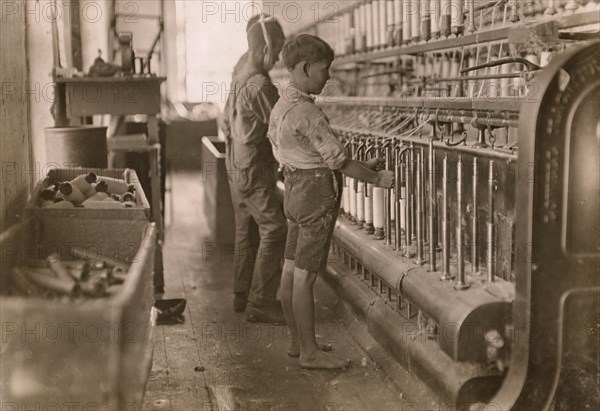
(313, 161)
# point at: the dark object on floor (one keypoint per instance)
(170, 311)
(239, 302)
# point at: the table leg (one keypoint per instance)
(157, 216)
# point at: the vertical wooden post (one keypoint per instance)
(72, 30)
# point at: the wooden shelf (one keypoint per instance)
(132, 143)
(115, 79)
(511, 104)
(87, 96)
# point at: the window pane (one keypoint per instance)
(215, 38)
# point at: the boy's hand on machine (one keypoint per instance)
(385, 179)
(376, 164)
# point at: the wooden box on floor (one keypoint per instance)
(75, 352)
(183, 143)
(218, 207)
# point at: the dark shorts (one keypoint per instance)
(311, 203)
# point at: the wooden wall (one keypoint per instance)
(39, 56)
(16, 172)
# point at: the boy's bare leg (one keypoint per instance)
(286, 295)
(311, 356)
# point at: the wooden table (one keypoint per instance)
(121, 96)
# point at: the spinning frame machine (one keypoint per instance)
(488, 246)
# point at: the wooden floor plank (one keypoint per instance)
(158, 383)
(216, 360)
(211, 323)
(186, 382)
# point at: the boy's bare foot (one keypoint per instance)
(322, 360)
(294, 348)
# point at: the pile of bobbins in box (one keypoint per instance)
(91, 189)
(76, 296)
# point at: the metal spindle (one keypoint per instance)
(471, 24)
(474, 234)
(432, 209)
(425, 21)
(388, 194)
(457, 18)
(460, 284)
(415, 21)
(356, 30)
(424, 221)
(419, 213)
(514, 11)
(369, 24)
(551, 9)
(445, 18)
(434, 10)
(376, 24)
(406, 21)
(390, 25)
(382, 23)
(490, 224)
(378, 207)
(398, 26)
(446, 276)
(398, 197)
(363, 27)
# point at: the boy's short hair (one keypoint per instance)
(254, 32)
(306, 47)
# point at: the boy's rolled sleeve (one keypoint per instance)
(325, 141)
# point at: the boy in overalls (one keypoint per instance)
(260, 226)
(313, 161)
